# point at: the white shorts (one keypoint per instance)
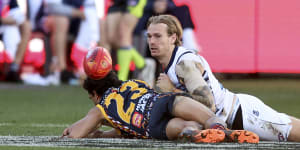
(261, 119)
(18, 15)
(11, 32)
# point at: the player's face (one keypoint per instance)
(160, 43)
(95, 98)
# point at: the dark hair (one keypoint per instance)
(174, 26)
(100, 86)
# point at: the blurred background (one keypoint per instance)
(252, 46)
(40, 45)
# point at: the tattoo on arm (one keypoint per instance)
(203, 95)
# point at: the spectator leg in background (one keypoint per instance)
(127, 52)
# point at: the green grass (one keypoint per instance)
(282, 95)
(24, 110)
(41, 105)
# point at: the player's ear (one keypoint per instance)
(94, 93)
(96, 98)
(173, 38)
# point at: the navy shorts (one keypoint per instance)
(161, 114)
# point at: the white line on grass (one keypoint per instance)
(35, 124)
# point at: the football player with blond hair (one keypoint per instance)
(185, 71)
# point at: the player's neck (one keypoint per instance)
(164, 61)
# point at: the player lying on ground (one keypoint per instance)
(133, 109)
(186, 71)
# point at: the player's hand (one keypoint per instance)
(164, 84)
(66, 133)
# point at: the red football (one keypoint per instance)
(97, 63)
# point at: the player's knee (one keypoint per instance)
(177, 125)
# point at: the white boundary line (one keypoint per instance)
(35, 124)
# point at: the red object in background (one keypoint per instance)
(37, 59)
(4, 57)
(77, 56)
(35, 55)
(248, 36)
(4, 11)
(4, 60)
(278, 36)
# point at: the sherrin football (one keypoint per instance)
(97, 63)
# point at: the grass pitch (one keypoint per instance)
(46, 111)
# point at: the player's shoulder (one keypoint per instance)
(135, 83)
(187, 54)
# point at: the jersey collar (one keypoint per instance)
(171, 60)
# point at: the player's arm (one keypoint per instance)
(164, 84)
(86, 125)
(190, 72)
(113, 133)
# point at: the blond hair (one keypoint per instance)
(173, 26)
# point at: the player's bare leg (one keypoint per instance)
(59, 38)
(25, 30)
(126, 52)
(186, 108)
(192, 131)
(112, 35)
(295, 131)
(176, 125)
(103, 35)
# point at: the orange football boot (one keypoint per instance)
(241, 136)
(203, 136)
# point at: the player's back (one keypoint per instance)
(127, 107)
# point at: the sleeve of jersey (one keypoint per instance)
(191, 56)
(104, 113)
(106, 117)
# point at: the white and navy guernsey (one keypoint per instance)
(219, 92)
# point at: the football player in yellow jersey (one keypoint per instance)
(133, 109)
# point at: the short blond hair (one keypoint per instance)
(173, 26)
